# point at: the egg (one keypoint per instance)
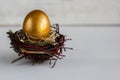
(36, 25)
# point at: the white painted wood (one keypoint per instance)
(96, 56)
(62, 11)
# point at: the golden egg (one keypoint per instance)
(36, 25)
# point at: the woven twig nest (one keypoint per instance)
(40, 50)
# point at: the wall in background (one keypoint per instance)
(66, 12)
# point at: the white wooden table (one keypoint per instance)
(96, 56)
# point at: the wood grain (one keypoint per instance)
(66, 12)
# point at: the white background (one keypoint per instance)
(65, 12)
(96, 56)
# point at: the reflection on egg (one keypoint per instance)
(36, 25)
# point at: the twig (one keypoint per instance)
(17, 59)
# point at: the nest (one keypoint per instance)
(41, 50)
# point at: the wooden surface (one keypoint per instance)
(96, 56)
(68, 12)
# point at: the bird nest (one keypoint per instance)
(39, 50)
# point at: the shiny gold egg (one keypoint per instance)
(36, 25)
